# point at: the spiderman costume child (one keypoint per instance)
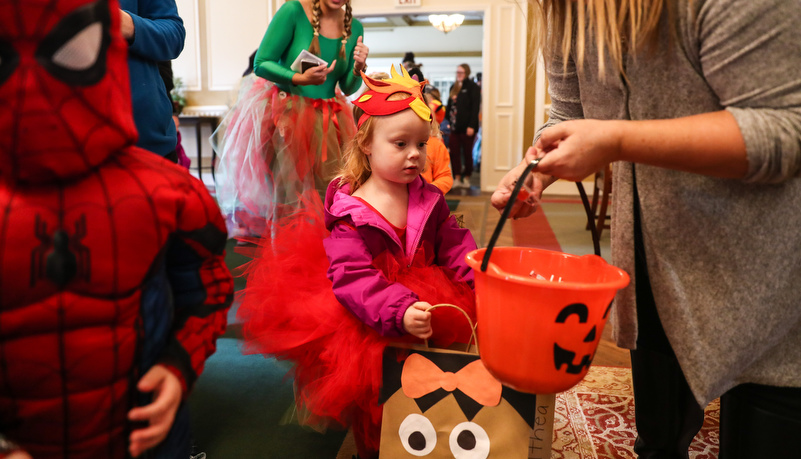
(113, 286)
(331, 298)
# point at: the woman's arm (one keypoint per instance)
(565, 105)
(475, 106)
(277, 38)
(709, 144)
(756, 136)
(157, 31)
(748, 61)
(448, 106)
(351, 81)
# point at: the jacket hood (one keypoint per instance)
(340, 205)
(64, 89)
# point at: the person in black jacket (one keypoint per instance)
(462, 113)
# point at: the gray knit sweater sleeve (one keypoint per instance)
(564, 91)
(748, 52)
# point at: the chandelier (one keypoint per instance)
(446, 22)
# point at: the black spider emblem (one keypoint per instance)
(60, 257)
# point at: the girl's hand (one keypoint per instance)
(313, 75)
(360, 56)
(535, 183)
(572, 150)
(18, 454)
(417, 320)
(160, 414)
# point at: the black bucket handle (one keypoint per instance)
(506, 211)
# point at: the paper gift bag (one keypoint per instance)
(444, 404)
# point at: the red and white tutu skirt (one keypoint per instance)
(289, 312)
(274, 147)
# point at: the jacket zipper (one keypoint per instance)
(409, 257)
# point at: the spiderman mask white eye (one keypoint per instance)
(75, 50)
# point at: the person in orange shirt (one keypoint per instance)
(434, 102)
(438, 165)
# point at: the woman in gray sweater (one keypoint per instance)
(698, 105)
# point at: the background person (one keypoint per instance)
(703, 184)
(464, 103)
(114, 283)
(282, 141)
(438, 165)
(412, 67)
(154, 33)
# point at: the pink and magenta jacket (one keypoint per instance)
(359, 236)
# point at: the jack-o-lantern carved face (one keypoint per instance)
(577, 355)
(448, 406)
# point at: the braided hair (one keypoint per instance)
(314, 47)
(346, 35)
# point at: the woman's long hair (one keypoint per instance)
(458, 85)
(615, 25)
(314, 47)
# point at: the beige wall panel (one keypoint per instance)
(505, 88)
(187, 66)
(502, 158)
(232, 34)
(504, 51)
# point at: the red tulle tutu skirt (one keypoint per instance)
(289, 311)
(273, 147)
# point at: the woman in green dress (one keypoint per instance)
(282, 141)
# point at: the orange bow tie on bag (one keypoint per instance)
(421, 376)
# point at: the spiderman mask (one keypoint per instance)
(63, 87)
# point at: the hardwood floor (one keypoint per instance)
(568, 220)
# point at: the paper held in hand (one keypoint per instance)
(305, 60)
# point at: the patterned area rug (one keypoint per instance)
(595, 420)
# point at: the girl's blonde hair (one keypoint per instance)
(314, 47)
(616, 26)
(356, 167)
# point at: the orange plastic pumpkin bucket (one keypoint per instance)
(540, 313)
(539, 334)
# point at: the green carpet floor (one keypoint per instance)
(239, 401)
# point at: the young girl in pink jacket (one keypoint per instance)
(331, 300)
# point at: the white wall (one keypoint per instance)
(219, 40)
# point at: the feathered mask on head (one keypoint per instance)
(374, 101)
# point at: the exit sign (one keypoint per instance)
(408, 2)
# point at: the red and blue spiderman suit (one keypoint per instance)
(111, 258)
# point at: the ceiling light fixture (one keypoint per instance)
(446, 22)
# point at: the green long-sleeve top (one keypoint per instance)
(288, 34)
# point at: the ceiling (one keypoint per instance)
(413, 20)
